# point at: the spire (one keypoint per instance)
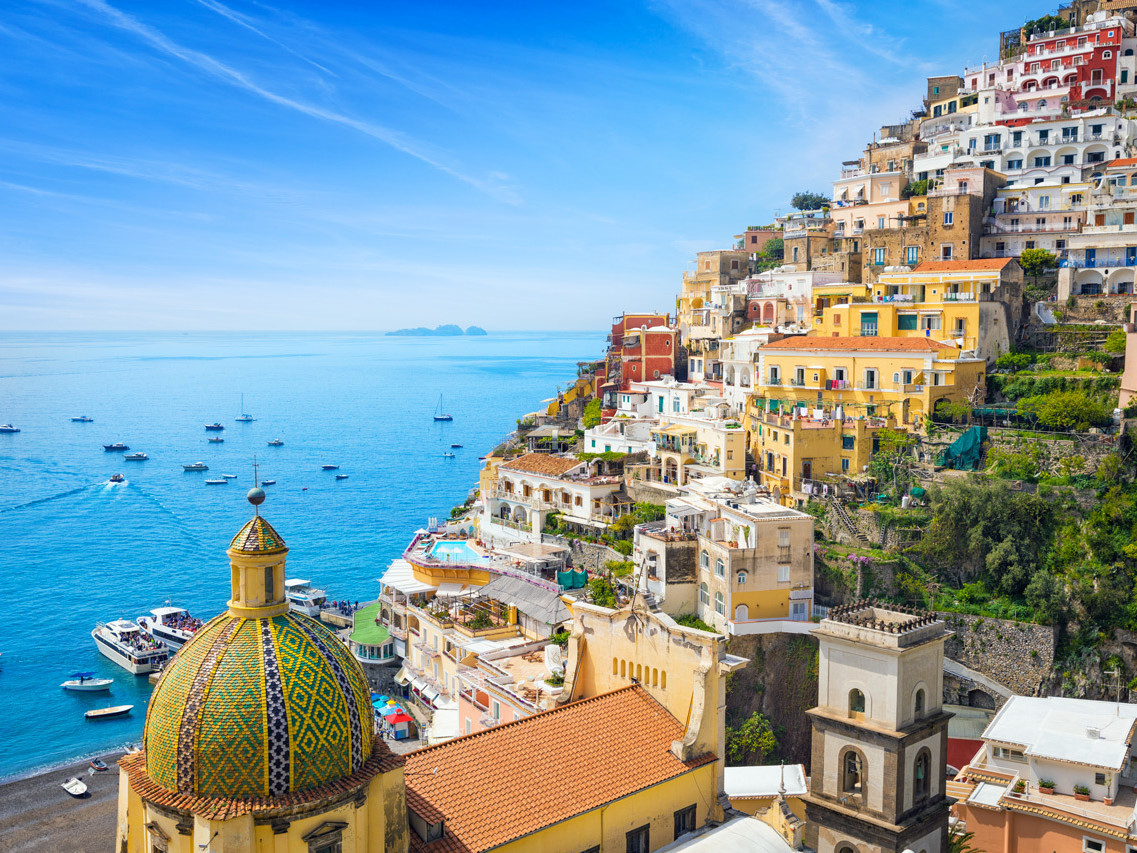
(256, 560)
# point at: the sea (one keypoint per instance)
(76, 550)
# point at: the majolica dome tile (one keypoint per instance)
(258, 707)
(258, 537)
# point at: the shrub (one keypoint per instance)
(560, 638)
(1014, 361)
(1046, 783)
(1082, 789)
(556, 679)
(1066, 410)
(591, 415)
(1115, 343)
(602, 592)
(690, 620)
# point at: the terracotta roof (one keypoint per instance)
(978, 264)
(856, 344)
(494, 786)
(1124, 161)
(542, 463)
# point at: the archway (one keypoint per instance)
(670, 471)
(981, 699)
(768, 313)
(519, 514)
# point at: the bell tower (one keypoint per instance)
(256, 567)
(879, 732)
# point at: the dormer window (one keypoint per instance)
(424, 829)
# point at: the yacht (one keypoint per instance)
(196, 466)
(8, 428)
(116, 447)
(123, 642)
(82, 419)
(455, 445)
(341, 476)
(214, 427)
(220, 481)
(268, 482)
(303, 597)
(217, 440)
(229, 476)
(172, 625)
(86, 682)
(276, 442)
(136, 457)
(439, 415)
(244, 417)
(329, 467)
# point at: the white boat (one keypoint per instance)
(341, 476)
(196, 466)
(74, 786)
(172, 625)
(123, 642)
(82, 419)
(303, 597)
(136, 457)
(229, 476)
(113, 711)
(244, 417)
(218, 482)
(329, 467)
(8, 428)
(86, 682)
(276, 442)
(439, 415)
(268, 482)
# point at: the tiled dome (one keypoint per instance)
(258, 537)
(258, 707)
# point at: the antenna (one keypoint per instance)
(1116, 675)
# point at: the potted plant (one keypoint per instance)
(1082, 792)
(1046, 786)
(1020, 786)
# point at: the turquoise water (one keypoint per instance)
(454, 552)
(76, 550)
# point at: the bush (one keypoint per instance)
(1068, 411)
(754, 742)
(1082, 789)
(1115, 343)
(619, 568)
(1036, 261)
(623, 546)
(560, 638)
(591, 416)
(690, 620)
(602, 593)
(1014, 361)
(557, 679)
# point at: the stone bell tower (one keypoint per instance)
(879, 732)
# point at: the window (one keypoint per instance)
(856, 701)
(1006, 754)
(742, 578)
(720, 607)
(870, 379)
(784, 573)
(921, 775)
(1092, 845)
(906, 322)
(1017, 138)
(1017, 163)
(720, 568)
(783, 544)
(948, 215)
(878, 257)
(848, 442)
(704, 594)
(1041, 162)
(1108, 54)
(704, 559)
(1099, 779)
(845, 466)
(270, 592)
(912, 255)
(880, 222)
(496, 711)
(638, 840)
(685, 820)
(852, 774)
(945, 252)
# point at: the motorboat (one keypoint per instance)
(136, 457)
(244, 417)
(116, 447)
(75, 786)
(229, 476)
(276, 442)
(447, 455)
(172, 625)
(82, 419)
(214, 427)
(196, 466)
(117, 478)
(303, 597)
(8, 428)
(86, 682)
(123, 642)
(268, 482)
(438, 413)
(217, 440)
(104, 713)
(455, 445)
(329, 467)
(98, 765)
(220, 481)
(341, 476)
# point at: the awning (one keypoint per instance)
(417, 684)
(429, 693)
(449, 588)
(400, 575)
(402, 676)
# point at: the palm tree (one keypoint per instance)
(959, 841)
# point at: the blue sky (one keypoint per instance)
(231, 164)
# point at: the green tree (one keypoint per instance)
(805, 200)
(602, 592)
(960, 841)
(1013, 362)
(1046, 23)
(915, 188)
(956, 412)
(591, 416)
(774, 250)
(754, 742)
(891, 464)
(1069, 411)
(1037, 261)
(1115, 343)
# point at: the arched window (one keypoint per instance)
(921, 775)
(615, 666)
(704, 559)
(1042, 104)
(720, 607)
(856, 702)
(852, 774)
(720, 568)
(623, 669)
(704, 594)
(920, 702)
(1107, 54)
(742, 578)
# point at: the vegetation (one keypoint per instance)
(1115, 343)
(602, 592)
(1066, 410)
(809, 201)
(557, 679)
(915, 188)
(690, 620)
(619, 568)
(891, 464)
(959, 841)
(754, 742)
(1037, 261)
(591, 416)
(1013, 362)
(605, 456)
(560, 638)
(1046, 23)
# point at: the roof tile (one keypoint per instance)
(978, 264)
(856, 344)
(543, 463)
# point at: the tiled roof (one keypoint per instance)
(979, 264)
(1124, 161)
(494, 786)
(381, 760)
(258, 537)
(542, 463)
(856, 344)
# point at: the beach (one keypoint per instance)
(36, 814)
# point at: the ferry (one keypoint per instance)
(136, 457)
(8, 428)
(122, 641)
(172, 625)
(276, 442)
(114, 448)
(82, 419)
(196, 466)
(214, 427)
(303, 597)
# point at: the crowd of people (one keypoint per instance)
(182, 622)
(344, 608)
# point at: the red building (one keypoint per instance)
(643, 347)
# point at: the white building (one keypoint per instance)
(1042, 216)
(622, 434)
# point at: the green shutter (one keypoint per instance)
(906, 322)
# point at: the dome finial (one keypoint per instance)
(256, 495)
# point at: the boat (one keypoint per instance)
(8, 428)
(172, 625)
(123, 642)
(86, 682)
(218, 440)
(117, 478)
(268, 482)
(220, 481)
(341, 476)
(196, 466)
(75, 786)
(447, 455)
(214, 427)
(82, 419)
(244, 417)
(276, 442)
(303, 597)
(329, 467)
(98, 765)
(455, 445)
(104, 713)
(229, 476)
(116, 447)
(136, 457)
(438, 413)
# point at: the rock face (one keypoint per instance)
(447, 331)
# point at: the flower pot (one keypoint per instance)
(1085, 798)
(1046, 790)
(1108, 801)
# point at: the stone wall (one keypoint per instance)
(586, 555)
(1089, 309)
(1018, 655)
(641, 491)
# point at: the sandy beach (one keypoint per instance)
(38, 816)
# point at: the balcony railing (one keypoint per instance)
(797, 383)
(774, 380)
(868, 331)
(1122, 228)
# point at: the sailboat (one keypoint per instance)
(438, 414)
(244, 417)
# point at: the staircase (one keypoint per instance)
(847, 522)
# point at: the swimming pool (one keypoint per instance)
(454, 551)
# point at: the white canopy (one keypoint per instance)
(450, 588)
(400, 575)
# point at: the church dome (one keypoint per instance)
(258, 708)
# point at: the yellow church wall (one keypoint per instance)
(608, 825)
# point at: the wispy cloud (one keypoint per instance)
(247, 22)
(215, 68)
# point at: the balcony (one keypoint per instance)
(868, 331)
(797, 383)
(1123, 228)
(959, 297)
(774, 380)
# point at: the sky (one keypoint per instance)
(236, 164)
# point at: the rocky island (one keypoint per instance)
(438, 331)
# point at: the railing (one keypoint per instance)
(1123, 228)
(959, 297)
(996, 227)
(869, 331)
(1074, 263)
(797, 383)
(774, 380)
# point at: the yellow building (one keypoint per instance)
(973, 305)
(694, 448)
(260, 733)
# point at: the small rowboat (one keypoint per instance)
(75, 787)
(98, 765)
(104, 713)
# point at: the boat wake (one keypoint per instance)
(66, 494)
